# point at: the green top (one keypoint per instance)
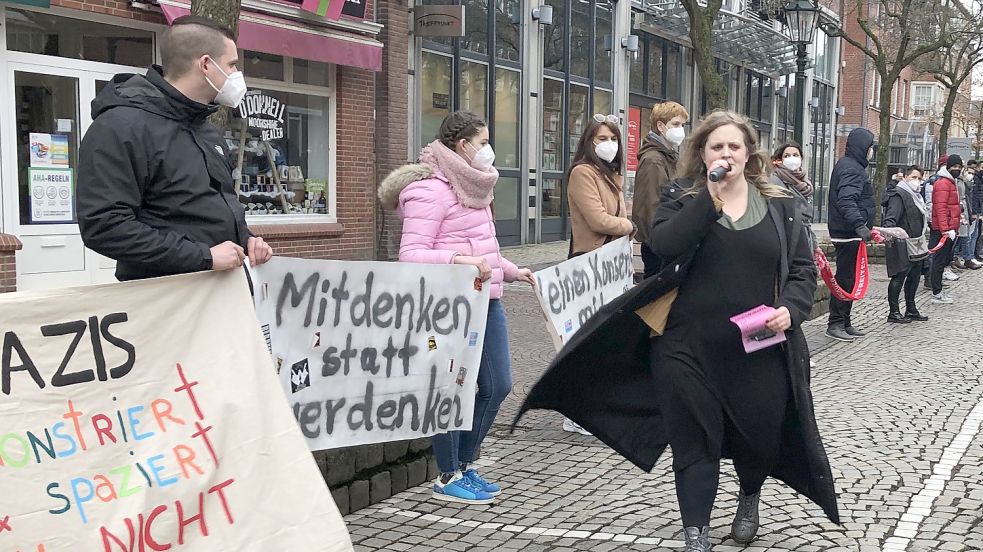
(757, 208)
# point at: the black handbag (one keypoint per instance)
(896, 257)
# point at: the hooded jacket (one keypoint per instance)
(945, 203)
(656, 169)
(155, 187)
(851, 196)
(437, 227)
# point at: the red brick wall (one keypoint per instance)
(120, 8)
(9, 245)
(392, 105)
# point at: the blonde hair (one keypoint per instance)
(664, 112)
(757, 168)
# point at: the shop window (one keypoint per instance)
(259, 65)
(435, 94)
(602, 102)
(552, 197)
(636, 70)
(555, 54)
(655, 59)
(674, 72)
(47, 118)
(280, 138)
(507, 85)
(507, 198)
(313, 73)
(604, 42)
(473, 88)
(281, 142)
(51, 35)
(580, 27)
(577, 118)
(552, 126)
(507, 41)
(476, 26)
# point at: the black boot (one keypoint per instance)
(896, 318)
(697, 539)
(911, 313)
(745, 525)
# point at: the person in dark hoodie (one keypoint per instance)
(851, 217)
(656, 169)
(155, 188)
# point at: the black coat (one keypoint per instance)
(602, 378)
(851, 196)
(155, 187)
(900, 211)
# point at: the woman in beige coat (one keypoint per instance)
(597, 204)
(594, 188)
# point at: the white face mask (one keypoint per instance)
(675, 135)
(792, 163)
(606, 150)
(915, 185)
(483, 158)
(232, 91)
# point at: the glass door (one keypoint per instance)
(48, 113)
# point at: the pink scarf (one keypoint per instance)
(474, 188)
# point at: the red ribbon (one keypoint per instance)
(862, 274)
(862, 280)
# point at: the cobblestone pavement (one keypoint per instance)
(897, 409)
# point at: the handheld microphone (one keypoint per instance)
(716, 175)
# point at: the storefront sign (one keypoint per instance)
(52, 194)
(131, 421)
(263, 113)
(634, 137)
(371, 352)
(433, 20)
(574, 290)
(354, 8)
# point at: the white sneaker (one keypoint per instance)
(949, 275)
(942, 298)
(574, 427)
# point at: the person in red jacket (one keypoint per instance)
(945, 221)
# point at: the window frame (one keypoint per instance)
(329, 92)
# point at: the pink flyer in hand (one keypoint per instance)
(754, 333)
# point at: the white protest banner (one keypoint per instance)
(572, 291)
(370, 352)
(144, 416)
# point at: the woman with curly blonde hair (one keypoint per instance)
(675, 371)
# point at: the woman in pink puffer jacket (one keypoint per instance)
(445, 202)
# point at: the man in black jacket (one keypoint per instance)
(977, 205)
(155, 188)
(851, 217)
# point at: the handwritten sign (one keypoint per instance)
(572, 291)
(369, 352)
(144, 416)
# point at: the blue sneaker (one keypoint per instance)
(479, 482)
(461, 489)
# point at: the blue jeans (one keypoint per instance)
(494, 384)
(967, 245)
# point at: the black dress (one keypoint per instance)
(718, 401)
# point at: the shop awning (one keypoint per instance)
(277, 35)
(736, 38)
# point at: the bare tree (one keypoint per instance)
(701, 18)
(894, 34)
(952, 66)
(225, 13)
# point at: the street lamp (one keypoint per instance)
(801, 17)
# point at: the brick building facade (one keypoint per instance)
(330, 127)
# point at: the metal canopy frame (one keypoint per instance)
(736, 39)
